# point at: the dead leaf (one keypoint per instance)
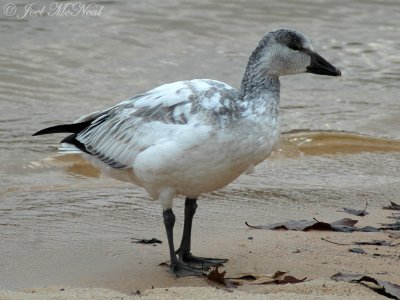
(345, 222)
(267, 279)
(370, 243)
(219, 277)
(390, 226)
(392, 206)
(245, 276)
(357, 250)
(385, 288)
(216, 276)
(357, 212)
(376, 243)
(343, 225)
(278, 277)
(290, 279)
(145, 241)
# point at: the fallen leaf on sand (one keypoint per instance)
(356, 212)
(376, 243)
(385, 288)
(343, 225)
(392, 206)
(391, 226)
(368, 243)
(277, 278)
(219, 277)
(357, 250)
(146, 241)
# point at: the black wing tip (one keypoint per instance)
(53, 129)
(71, 128)
(40, 132)
(71, 139)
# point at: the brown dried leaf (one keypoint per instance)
(245, 276)
(263, 279)
(392, 206)
(385, 288)
(219, 277)
(289, 279)
(216, 276)
(278, 278)
(279, 274)
(256, 279)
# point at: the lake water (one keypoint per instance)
(64, 223)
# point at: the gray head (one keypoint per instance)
(286, 52)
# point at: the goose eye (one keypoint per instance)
(294, 47)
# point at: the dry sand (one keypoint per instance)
(316, 289)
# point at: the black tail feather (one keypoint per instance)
(73, 128)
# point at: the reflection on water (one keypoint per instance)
(54, 69)
(330, 142)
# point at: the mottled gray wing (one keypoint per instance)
(118, 135)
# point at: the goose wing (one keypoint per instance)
(186, 110)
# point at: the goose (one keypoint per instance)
(192, 137)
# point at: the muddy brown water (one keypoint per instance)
(62, 223)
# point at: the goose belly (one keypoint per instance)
(200, 169)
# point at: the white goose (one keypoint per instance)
(193, 137)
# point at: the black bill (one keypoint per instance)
(320, 66)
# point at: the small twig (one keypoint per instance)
(341, 244)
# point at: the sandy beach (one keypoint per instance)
(316, 290)
(255, 251)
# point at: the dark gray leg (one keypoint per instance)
(179, 268)
(190, 210)
(184, 250)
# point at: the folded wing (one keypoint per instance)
(117, 135)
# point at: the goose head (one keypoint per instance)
(287, 52)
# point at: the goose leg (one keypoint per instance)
(184, 249)
(178, 267)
